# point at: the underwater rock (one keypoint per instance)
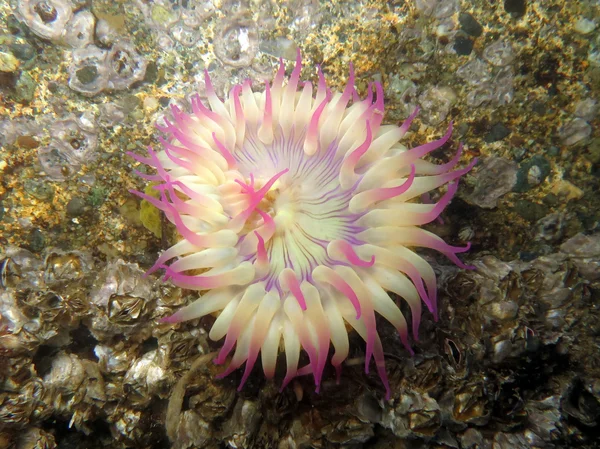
(494, 178)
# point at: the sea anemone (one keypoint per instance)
(298, 214)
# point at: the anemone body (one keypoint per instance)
(298, 213)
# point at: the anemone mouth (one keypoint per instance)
(298, 216)
(307, 204)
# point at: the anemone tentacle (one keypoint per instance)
(298, 217)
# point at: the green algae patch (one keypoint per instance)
(150, 215)
(161, 15)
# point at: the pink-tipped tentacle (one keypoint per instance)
(425, 239)
(378, 110)
(199, 282)
(246, 188)
(347, 250)
(290, 281)
(231, 162)
(349, 89)
(289, 376)
(410, 156)
(215, 103)
(265, 132)
(310, 349)
(182, 206)
(264, 316)
(261, 252)
(349, 163)
(152, 200)
(156, 163)
(194, 147)
(344, 288)
(210, 90)
(255, 198)
(380, 364)
(268, 115)
(182, 120)
(444, 168)
(292, 85)
(311, 143)
(195, 101)
(428, 217)
(230, 369)
(147, 177)
(193, 195)
(371, 107)
(317, 317)
(198, 169)
(453, 175)
(169, 127)
(280, 75)
(194, 153)
(171, 319)
(307, 370)
(162, 129)
(406, 124)
(269, 225)
(140, 159)
(385, 193)
(240, 122)
(369, 98)
(322, 86)
(202, 112)
(417, 280)
(323, 273)
(371, 328)
(200, 240)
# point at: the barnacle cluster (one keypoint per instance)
(236, 42)
(73, 143)
(95, 69)
(114, 65)
(176, 21)
(57, 21)
(490, 79)
(47, 304)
